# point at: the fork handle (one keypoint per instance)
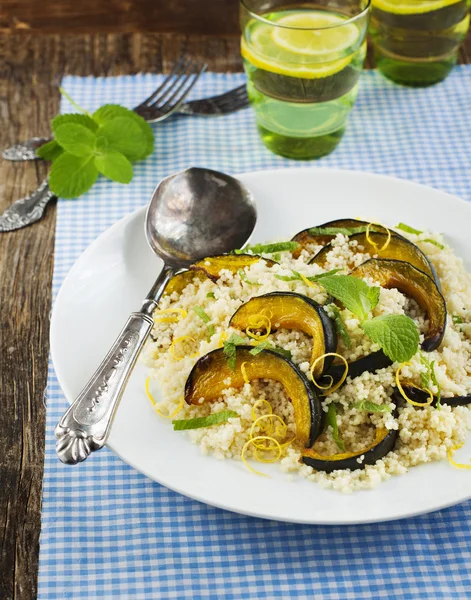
(26, 210)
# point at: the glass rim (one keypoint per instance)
(262, 19)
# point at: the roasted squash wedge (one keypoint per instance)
(293, 311)
(371, 363)
(208, 378)
(305, 237)
(418, 395)
(398, 249)
(213, 265)
(414, 283)
(384, 443)
(179, 281)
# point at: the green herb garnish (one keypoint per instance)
(436, 384)
(397, 335)
(457, 320)
(425, 376)
(332, 421)
(340, 326)
(435, 243)
(211, 295)
(408, 229)
(199, 422)
(85, 145)
(297, 276)
(244, 278)
(270, 248)
(201, 314)
(230, 346)
(336, 230)
(268, 346)
(372, 407)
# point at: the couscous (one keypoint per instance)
(332, 391)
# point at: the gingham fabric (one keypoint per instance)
(107, 531)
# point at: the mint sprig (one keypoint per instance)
(397, 335)
(230, 347)
(85, 145)
(199, 422)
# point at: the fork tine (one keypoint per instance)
(182, 92)
(177, 68)
(174, 85)
(231, 93)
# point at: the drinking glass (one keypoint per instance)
(303, 61)
(416, 42)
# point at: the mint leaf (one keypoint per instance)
(372, 407)
(230, 349)
(425, 377)
(373, 295)
(435, 382)
(336, 230)
(435, 243)
(332, 421)
(408, 229)
(76, 119)
(269, 248)
(199, 422)
(49, 151)
(75, 139)
(397, 336)
(297, 276)
(211, 295)
(457, 320)
(124, 135)
(339, 325)
(115, 166)
(201, 314)
(72, 176)
(352, 292)
(268, 346)
(112, 111)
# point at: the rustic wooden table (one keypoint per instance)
(33, 63)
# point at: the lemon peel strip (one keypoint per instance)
(182, 312)
(180, 339)
(374, 244)
(450, 453)
(252, 441)
(155, 405)
(403, 393)
(258, 321)
(330, 389)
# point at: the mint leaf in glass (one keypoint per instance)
(397, 335)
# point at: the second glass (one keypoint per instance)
(303, 62)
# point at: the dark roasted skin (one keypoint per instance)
(208, 376)
(384, 443)
(293, 311)
(415, 284)
(398, 249)
(422, 396)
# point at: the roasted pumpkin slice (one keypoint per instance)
(414, 283)
(305, 237)
(418, 395)
(293, 311)
(179, 281)
(213, 265)
(398, 248)
(384, 443)
(371, 363)
(211, 375)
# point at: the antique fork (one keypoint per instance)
(163, 102)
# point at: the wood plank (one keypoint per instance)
(219, 17)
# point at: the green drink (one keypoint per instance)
(303, 63)
(416, 41)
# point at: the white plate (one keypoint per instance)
(109, 281)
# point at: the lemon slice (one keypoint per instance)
(301, 52)
(411, 7)
(317, 33)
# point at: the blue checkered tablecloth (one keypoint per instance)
(107, 531)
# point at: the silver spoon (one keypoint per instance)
(191, 215)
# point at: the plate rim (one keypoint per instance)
(195, 496)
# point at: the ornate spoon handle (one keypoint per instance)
(26, 210)
(85, 426)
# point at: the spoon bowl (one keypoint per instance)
(191, 215)
(198, 213)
